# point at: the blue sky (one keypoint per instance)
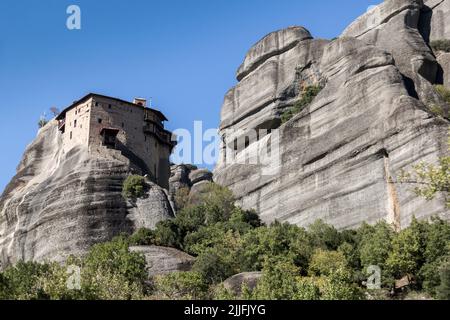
(183, 54)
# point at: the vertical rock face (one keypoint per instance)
(61, 203)
(436, 26)
(394, 26)
(339, 158)
(437, 19)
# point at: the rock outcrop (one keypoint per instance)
(189, 178)
(60, 204)
(162, 260)
(235, 283)
(340, 157)
(435, 20)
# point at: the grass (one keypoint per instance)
(440, 45)
(306, 97)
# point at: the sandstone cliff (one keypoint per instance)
(60, 204)
(339, 158)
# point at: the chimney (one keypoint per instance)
(140, 101)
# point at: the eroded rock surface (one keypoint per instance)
(190, 178)
(235, 283)
(60, 204)
(162, 260)
(340, 157)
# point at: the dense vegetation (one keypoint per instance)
(440, 45)
(134, 187)
(296, 263)
(306, 97)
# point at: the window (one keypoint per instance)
(70, 135)
(75, 123)
(123, 125)
(109, 106)
(145, 139)
(96, 104)
(99, 120)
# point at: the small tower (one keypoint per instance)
(140, 102)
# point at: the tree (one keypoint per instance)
(324, 263)
(338, 286)
(115, 257)
(42, 122)
(181, 198)
(54, 111)
(142, 237)
(281, 281)
(430, 179)
(324, 236)
(437, 250)
(134, 187)
(21, 281)
(277, 240)
(376, 245)
(180, 286)
(443, 291)
(215, 265)
(408, 247)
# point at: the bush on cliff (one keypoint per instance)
(440, 45)
(133, 187)
(306, 97)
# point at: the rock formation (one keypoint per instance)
(188, 177)
(161, 260)
(60, 204)
(235, 283)
(340, 157)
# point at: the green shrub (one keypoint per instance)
(278, 240)
(408, 249)
(324, 235)
(21, 281)
(443, 291)
(180, 286)
(281, 280)
(339, 286)
(324, 263)
(443, 92)
(306, 97)
(42, 122)
(134, 187)
(142, 237)
(440, 45)
(115, 257)
(375, 245)
(215, 265)
(437, 110)
(182, 198)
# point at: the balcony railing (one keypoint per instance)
(162, 135)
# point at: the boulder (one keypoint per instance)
(235, 283)
(162, 260)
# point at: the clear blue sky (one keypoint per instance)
(182, 53)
